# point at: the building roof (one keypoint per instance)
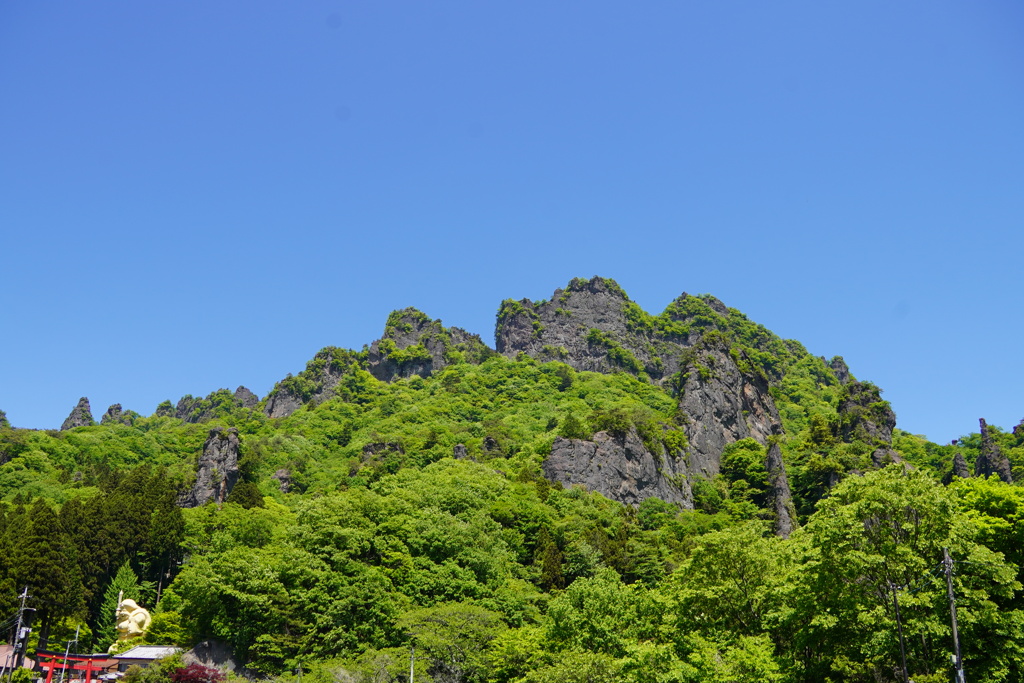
(148, 652)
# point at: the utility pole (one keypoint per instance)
(958, 662)
(67, 652)
(412, 658)
(20, 634)
(899, 627)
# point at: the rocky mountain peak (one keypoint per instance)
(116, 414)
(246, 398)
(412, 344)
(315, 384)
(840, 369)
(415, 344)
(866, 417)
(81, 416)
(991, 460)
(590, 325)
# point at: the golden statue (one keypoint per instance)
(132, 620)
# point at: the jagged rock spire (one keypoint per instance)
(959, 469)
(780, 499)
(81, 416)
(840, 369)
(991, 459)
(245, 398)
(218, 469)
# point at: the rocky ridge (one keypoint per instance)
(195, 410)
(720, 367)
(415, 344)
(412, 344)
(81, 416)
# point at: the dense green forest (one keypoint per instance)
(382, 515)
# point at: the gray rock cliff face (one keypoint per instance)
(113, 414)
(246, 398)
(218, 469)
(723, 405)
(414, 344)
(840, 369)
(590, 325)
(81, 416)
(991, 460)
(864, 416)
(959, 469)
(619, 466)
(284, 403)
(780, 498)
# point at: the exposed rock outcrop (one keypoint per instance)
(590, 325)
(991, 460)
(414, 344)
(840, 369)
(780, 498)
(218, 469)
(81, 416)
(620, 467)
(282, 402)
(284, 480)
(115, 414)
(315, 384)
(864, 416)
(722, 404)
(246, 398)
(213, 654)
(958, 470)
(195, 410)
(372, 450)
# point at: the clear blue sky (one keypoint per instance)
(196, 195)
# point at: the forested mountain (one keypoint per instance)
(606, 495)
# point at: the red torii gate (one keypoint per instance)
(52, 661)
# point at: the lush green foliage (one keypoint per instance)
(385, 542)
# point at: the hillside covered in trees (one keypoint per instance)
(605, 495)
